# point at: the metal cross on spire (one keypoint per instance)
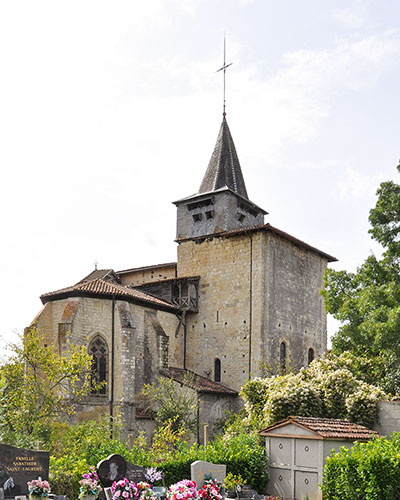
(224, 70)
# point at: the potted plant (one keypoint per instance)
(231, 483)
(182, 490)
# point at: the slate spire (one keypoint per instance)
(224, 167)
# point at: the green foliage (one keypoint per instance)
(242, 455)
(368, 302)
(172, 403)
(368, 471)
(74, 448)
(327, 388)
(39, 386)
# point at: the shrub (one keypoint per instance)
(327, 388)
(368, 471)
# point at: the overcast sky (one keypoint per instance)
(109, 111)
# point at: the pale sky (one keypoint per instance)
(109, 111)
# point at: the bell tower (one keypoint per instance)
(222, 203)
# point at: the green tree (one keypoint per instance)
(173, 404)
(38, 385)
(367, 302)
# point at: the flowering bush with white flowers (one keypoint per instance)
(327, 388)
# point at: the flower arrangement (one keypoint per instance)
(183, 490)
(89, 485)
(127, 490)
(38, 488)
(124, 490)
(153, 475)
(210, 491)
(144, 491)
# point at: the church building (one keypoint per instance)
(242, 294)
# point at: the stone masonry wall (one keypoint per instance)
(141, 346)
(389, 418)
(293, 307)
(256, 290)
(221, 327)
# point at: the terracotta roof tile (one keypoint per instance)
(102, 274)
(102, 288)
(328, 428)
(199, 383)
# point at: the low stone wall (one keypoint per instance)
(389, 418)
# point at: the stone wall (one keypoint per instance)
(389, 418)
(141, 344)
(256, 291)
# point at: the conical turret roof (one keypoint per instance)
(224, 168)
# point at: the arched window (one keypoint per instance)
(311, 355)
(282, 355)
(217, 370)
(99, 352)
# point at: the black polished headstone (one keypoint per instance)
(111, 469)
(18, 466)
(135, 473)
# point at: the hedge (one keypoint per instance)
(368, 471)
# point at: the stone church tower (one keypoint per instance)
(242, 294)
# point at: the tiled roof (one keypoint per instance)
(224, 167)
(328, 428)
(103, 288)
(99, 274)
(146, 268)
(197, 382)
(271, 229)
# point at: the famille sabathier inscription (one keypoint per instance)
(18, 466)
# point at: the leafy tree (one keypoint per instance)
(38, 386)
(173, 404)
(367, 302)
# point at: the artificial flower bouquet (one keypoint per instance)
(210, 491)
(153, 475)
(144, 491)
(89, 485)
(124, 490)
(183, 490)
(128, 490)
(38, 488)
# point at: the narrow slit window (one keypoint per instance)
(311, 355)
(282, 355)
(217, 370)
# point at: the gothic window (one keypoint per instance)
(282, 355)
(99, 352)
(311, 355)
(217, 370)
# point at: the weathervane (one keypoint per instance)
(224, 69)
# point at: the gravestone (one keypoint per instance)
(115, 468)
(112, 468)
(204, 471)
(135, 473)
(18, 466)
